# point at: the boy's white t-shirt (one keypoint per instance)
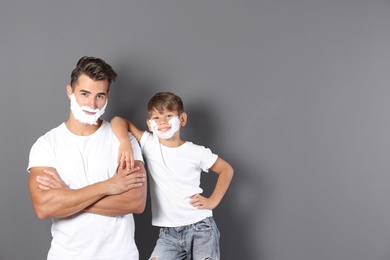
(81, 161)
(175, 177)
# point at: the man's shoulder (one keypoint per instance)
(54, 131)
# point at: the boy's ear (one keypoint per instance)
(183, 119)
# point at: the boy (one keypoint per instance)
(187, 228)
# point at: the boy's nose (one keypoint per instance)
(162, 122)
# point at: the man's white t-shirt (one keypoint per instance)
(175, 177)
(81, 161)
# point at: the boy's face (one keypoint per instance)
(166, 123)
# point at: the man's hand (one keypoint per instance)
(125, 155)
(125, 180)
(50, 180)
(200, 202)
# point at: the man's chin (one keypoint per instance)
(89, 122)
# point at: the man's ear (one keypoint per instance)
(183, 119)
(69, 90)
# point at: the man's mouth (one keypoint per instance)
(89, 113)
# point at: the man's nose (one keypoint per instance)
(91, 102)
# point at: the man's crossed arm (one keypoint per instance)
(121, 194)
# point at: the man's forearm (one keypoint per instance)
(60, 203)
(132, 201)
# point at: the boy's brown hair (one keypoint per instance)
(165, 101)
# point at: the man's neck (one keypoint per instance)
(78, 128)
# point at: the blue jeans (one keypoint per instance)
(198, 241)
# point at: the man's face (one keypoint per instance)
(88, 99)
(90, 93)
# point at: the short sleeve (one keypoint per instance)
(145, 140)
(41, 154)
(136, 148)
(207, 159)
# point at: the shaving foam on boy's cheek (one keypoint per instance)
(174, 123)
(153, 125)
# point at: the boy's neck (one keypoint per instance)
(172, 142)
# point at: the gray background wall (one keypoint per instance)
(293, 93)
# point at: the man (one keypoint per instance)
(75, 178)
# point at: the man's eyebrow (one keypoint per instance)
(88, 92)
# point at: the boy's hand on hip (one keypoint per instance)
(200, 202)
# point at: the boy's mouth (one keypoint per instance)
(164, 129)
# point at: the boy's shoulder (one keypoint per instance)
(190, 146)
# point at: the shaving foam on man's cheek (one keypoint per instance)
(174, 123)
(80, 115)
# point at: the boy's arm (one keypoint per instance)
(121, 127)
(61, 201)
(225, 172)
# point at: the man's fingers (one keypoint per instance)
(53, 175)
(132, 170)
(42, 187)
(136, 179)
(48, 182)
